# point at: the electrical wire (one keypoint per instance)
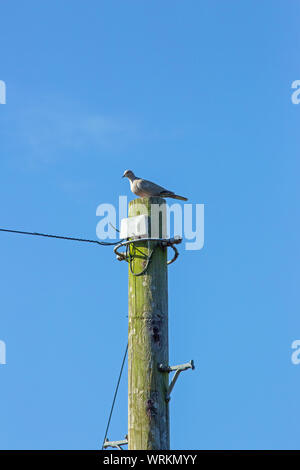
(146, 258)
(88, 241)
(60, 237)
(115, 396)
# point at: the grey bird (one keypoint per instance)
(144, 188)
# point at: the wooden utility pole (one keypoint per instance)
(148, 413)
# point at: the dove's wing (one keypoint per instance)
(150, 188)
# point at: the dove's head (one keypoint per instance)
(128, 174)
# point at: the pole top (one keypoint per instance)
(146, 202)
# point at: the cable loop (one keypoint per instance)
(127, 255)
(132, 257)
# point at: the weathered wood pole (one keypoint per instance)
(148, 412)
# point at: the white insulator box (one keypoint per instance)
(137, 226)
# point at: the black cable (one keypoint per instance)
(88, 241)
(115, 396)
(60, 237)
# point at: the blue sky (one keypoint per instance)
(193, 95)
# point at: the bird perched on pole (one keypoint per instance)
(144, 188)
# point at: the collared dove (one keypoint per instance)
(144, 188)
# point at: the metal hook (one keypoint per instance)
(178, 369)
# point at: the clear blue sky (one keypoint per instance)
(196, 94)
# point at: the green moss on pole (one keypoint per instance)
(148, 414)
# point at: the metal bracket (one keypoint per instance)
(115, 444)
(177, 369)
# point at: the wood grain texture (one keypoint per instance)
(148, 414)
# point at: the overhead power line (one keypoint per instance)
(60, 237)
(21, 232)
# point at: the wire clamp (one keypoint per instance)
(177, 369)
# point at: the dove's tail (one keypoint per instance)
(181, 198)
(173, 196)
